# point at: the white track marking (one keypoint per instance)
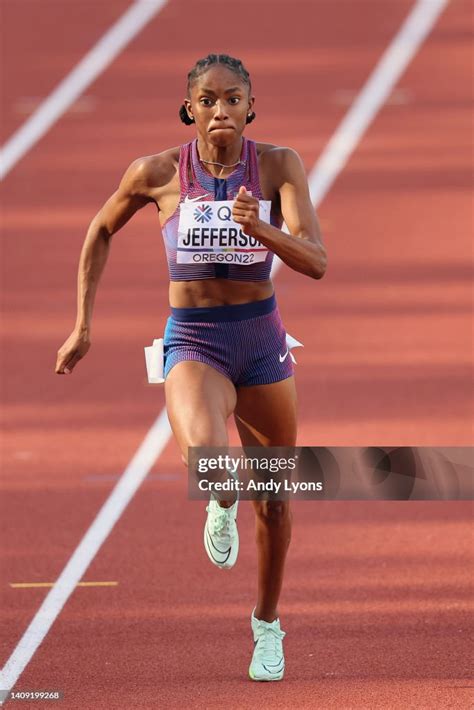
(370, 99)
(334, 157)
(133, 476)
(373, 95)
(71, 87)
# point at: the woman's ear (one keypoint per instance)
(187, 106)
(183, 114)
(250, 112)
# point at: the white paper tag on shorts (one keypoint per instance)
(292, 343)
(154, 361)
(207, 234)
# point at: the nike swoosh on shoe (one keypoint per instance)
(221, 552)
(277, 667)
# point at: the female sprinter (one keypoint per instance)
(225, 348)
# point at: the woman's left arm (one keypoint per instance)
(302, 249)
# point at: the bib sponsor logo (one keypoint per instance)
(207, 234)
(203, 213)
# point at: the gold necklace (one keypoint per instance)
(232, 165)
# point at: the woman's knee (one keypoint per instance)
(206, 441)
(274, 513)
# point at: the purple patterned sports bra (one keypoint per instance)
(198, 185)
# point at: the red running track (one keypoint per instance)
(377, 595)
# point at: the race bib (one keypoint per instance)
(207, 234)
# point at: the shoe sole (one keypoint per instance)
(263, 680)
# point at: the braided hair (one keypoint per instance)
(202, 66)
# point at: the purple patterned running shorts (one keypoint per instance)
(245, 342)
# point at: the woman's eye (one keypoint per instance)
(234, 100)
(206, 102)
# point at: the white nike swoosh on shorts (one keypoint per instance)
(195, 199)
(283, 357)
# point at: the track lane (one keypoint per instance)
(38, 55)
(174, 489)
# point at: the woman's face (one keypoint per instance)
(219, 103)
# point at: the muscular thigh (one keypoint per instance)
(199, 400)
(266, 414)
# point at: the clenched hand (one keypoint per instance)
(69, 354)
(246, 211)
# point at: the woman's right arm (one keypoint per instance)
(131, 195)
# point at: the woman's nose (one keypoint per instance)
(220, 110)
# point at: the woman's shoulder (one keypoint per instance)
(272, 152)
(277, 157)
(155, 170)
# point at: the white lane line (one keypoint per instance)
(71, 87)
(133, 476)
(370, 99)
(373, 95)
(333, 159)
